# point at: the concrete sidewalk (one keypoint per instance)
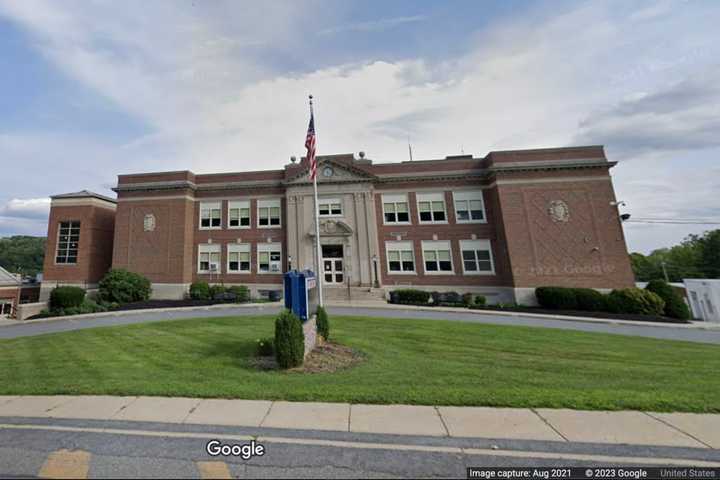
(625, 427)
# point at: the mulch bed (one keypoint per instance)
(168, 304)
(326, 358)
(583, 313)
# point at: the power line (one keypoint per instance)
(671, 222)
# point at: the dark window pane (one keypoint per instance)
(485, 266)
(408, 266)
(440, 216)
(339, 277)
(483, 255)
(275, 256)
(403, 217)
(389, 216)
(470, 265)
(431, 266)
(336, 211)
(468, 255)
(328, 277)
(324, 211)
(245, 221)
(205, 222)
(425, 216)
(264, 267)
(445, 266)
(215, 222)
(477, 214)
(263, 221)
(234, 222)
(234, 266)
(59, 260)
(463, 215)
(395, 266)
(338, 264)
(204, 266)
(275, 221)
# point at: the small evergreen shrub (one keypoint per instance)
(323, 323)
(480, 300)
(265, 347)
(412, 296)
(556, 298)
(636, 301)
(66, 297)
(289, 340)
(590, 300)
(200, 291)
(241, 292)
(675, 306)
(123, 286)
(217, 292)
(467, 299)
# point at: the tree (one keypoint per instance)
(22, 254)
(697, 256)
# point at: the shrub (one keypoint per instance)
(217, 292)
(241, 292)
(467, 299)
(411, 296)
(323, 324)
(636, 301)
(590, 300)
(556, 298)
(200, 291)
(66, 297)
(122, 286)
(675, 306)
(480, 300)
(289, 340)
(264, 347)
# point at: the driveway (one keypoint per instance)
(127, 318)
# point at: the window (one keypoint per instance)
(431, 207)
(395, 209)
(329, 207)
(400, 257)
(209, 258)
(238, 258)
(269, 213)
(210, 216)
(437, 257)
(469, 207)
(477, 257)
(239, 214)
(68, 241)
(269, 258)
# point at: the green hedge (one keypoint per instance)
(480, 300)
(66, 297)
(323, 323)
(200, 291)
(411, 296)
(675, 306)
(241, 292)
(123, 286)
(289, 340)
(557, 298)
(636, 300)
(590, 300)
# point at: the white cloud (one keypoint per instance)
(373, 25)
(24, 216)
(212, 103)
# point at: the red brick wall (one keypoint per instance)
(95, 247)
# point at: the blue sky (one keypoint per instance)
(92, 89)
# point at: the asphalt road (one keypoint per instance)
(668, 333)
(113, 449)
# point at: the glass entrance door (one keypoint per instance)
(333, 272)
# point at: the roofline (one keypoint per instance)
(66, 196)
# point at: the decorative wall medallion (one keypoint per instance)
(559, 211)
(328, 172)
(149, 223)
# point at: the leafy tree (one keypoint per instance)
(697, 256)
(22, 254)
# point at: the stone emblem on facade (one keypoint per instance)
(149, 223)
(559, 211)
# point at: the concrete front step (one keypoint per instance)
(362, 294)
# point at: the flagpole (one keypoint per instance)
(318, 251)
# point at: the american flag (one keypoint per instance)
(310, 145)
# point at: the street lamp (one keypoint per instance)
(375, 268)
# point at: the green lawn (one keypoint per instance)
(408, 361)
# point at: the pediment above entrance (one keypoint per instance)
(330, 171)
(332, 228)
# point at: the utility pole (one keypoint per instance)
(662, 264)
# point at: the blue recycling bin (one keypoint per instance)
(300, 294)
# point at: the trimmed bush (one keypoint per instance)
(241, 292)
(323, 323)
(480, 300)
(122, 286)
(289, 340)
(66, 297)
(467, 299)
(590, 300)
(675, 306)
(556, 298)
(265, 347)
(411, 296)
(217, 292)
(635, 300)
(200, 291)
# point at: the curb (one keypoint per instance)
(611, 321)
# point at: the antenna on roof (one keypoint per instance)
(410, 149)
(462, 150)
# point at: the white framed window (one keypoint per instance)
(269, 213)
(431, 207)
(209, 258)
(210, 215)
(469, 207)
(68, 240)
(330, 207)
(437, 257)
(400, 257)
(477, 257)
(238, 258)
(395, 209)
(239, 214)
(269, 258)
